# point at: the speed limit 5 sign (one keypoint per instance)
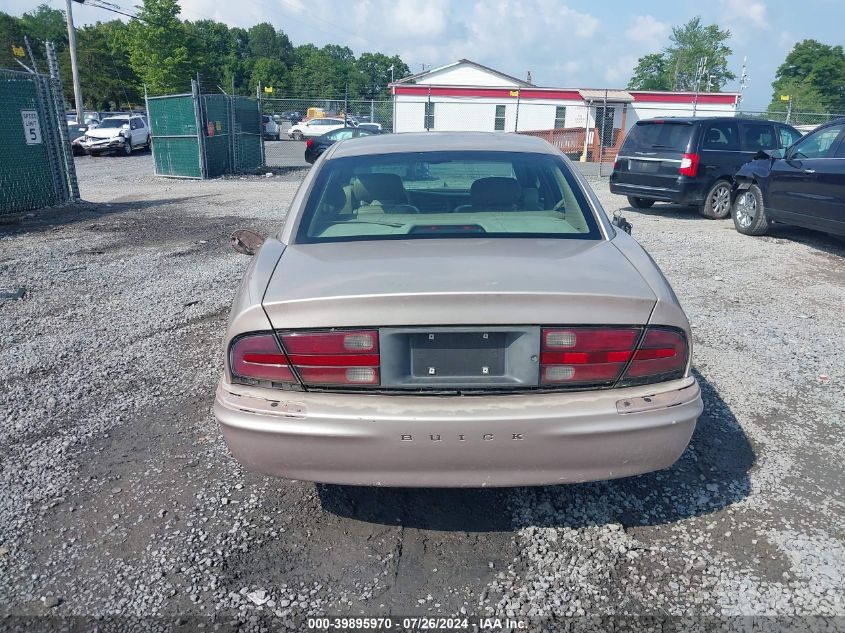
(31, 128)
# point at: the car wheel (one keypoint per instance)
(296, 136)
(127, 147)
(640, 203)
(717, 203)
(748, 212)
(149, 144)
(278, 137)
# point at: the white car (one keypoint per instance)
(117, 134)
(271, 128)
(315, 128)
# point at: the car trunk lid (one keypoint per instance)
(461, 282)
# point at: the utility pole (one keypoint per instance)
(74, 68)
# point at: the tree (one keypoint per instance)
(651, 74)
(11, 34)
(814, 74)
(160, 51)
(104, 68)
(677, 67)
(374, 72)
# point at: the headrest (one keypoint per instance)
(495, 191)
(335, 196)
(714, 136)
(381, 187)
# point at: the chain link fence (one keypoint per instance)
(37, 168)
(804, 122)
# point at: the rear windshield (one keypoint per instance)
(113, 123)
(645, 136)
(446, 195)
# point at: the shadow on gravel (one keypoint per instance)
(711, 475)
(54, 217)
(670, 210)
(830, 244)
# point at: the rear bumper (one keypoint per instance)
(683, 192)
(459, 441)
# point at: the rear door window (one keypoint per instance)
(647, 136)
(758, 136)
(788, 136)
(721, 135)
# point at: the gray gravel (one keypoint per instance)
(118, 495)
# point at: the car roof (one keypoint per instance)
(442, 141)
(708, 119)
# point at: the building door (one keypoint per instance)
(604, 124)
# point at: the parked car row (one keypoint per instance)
(758, 171)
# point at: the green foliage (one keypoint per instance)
(158, 49)
(676, 67)
(814, 75)
(650, 74)
(108, 79)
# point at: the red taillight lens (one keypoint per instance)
(259, 357)
(309, 143)
(689, 165)
(662, 355)
(585, 355)
(578, 356)
(335, 358)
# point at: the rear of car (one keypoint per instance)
(271, 128)
(454, 310)
(691, 161)
(658, 161)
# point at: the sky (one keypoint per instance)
(564, 43)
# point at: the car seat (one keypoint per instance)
(381, 193)
(493, 194)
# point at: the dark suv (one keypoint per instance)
(691, 161)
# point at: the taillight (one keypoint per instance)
(585, 355)
(689, 165)
(662, 355)
(258, 357)
(578, 356)
(309, 143)
(335, 358)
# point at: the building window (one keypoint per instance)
(429, 115)
(560, 117)
(500, 118)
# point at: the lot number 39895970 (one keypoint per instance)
(31, 129)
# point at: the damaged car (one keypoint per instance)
(117, 134)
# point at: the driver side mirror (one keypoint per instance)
(620, 222)
(246, 241)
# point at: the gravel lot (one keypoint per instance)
(118, 495)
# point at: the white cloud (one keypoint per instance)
(742, 15)
(648, 32)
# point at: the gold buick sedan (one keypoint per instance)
(453, 309)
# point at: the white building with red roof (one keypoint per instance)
(467, 96)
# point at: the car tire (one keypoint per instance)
(749, 213)
(278, 137)
(297, 136)
(717, 202)
(127, 148)
(149, 144)
(640, 203)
